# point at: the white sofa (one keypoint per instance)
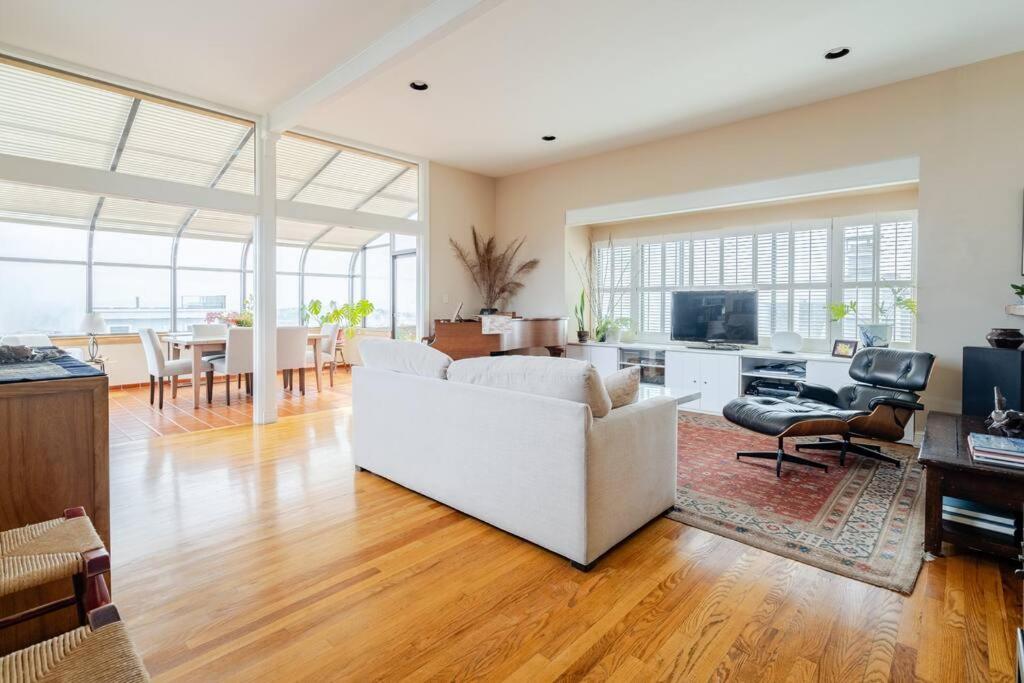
(539, 467)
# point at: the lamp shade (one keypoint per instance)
(93, 323)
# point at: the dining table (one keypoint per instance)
(183, 342)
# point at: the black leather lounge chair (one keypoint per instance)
(878, 406)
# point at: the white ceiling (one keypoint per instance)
(245, 54)
(599, 74)
(604, 74)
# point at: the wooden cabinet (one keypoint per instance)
(53, 455)
(604, 358)
(715, 376)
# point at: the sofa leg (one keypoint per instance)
(582, 567)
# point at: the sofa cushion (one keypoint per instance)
(572, 380)
(623, 386)
(411, 358)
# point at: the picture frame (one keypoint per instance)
(844, 348)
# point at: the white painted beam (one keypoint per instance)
(329, 215)
(265, 279)
(95, 181)
(852, 178)
(434, 21)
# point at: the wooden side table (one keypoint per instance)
(950, 471)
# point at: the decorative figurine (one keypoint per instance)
(1002, 421)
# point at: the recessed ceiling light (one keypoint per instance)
(418, 85)
(548, 138)
(837, 53)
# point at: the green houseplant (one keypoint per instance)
(352, 315)
(580, 311)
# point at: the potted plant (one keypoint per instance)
(244, 318)
(601, 315)
(880, 333)
(1019, 291)
(352, 315)
(610, 330)
(495, 274)
(839, 310)
(579, 310)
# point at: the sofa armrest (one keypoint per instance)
(817, 392)
(631, 470)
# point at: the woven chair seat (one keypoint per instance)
(105, 654)
(40, 553)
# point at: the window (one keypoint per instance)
(132, 248)
(133, 296)
(204, 292)
(790, 266)
(878, 273)
(614, 274)
(377, 263)
(55, 301)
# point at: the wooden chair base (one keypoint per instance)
(90, 588)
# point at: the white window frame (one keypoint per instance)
(832, 287)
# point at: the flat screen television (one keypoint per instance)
(728, 316)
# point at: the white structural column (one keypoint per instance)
(265, 278)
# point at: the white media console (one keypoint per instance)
(719, 375)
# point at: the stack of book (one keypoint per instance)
(1001, 451)
(972, 516)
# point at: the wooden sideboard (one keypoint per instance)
(54, 454)
(465, 338)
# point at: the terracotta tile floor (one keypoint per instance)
(132, 418)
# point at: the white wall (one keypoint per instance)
(966, 125)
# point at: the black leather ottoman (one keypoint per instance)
(785, 417)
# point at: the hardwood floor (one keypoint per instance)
(259, 554)
(133, 418)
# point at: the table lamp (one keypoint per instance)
(93, 324)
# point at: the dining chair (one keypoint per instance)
(237, 360)
(208, 331)
(159, 367)
(328, 337)
(291, 354)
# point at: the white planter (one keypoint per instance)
(613, 335)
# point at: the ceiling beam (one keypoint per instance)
(329, 215)
(434, 21)
(96, 181)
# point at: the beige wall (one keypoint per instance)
(458, 201)
(966, 125)
(831, 207)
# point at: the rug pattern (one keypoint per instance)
(864, 521)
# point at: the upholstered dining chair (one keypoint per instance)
(328, 337)
(291, 355)
(206, 331)
(237, 360)
(160, 368)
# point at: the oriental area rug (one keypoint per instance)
(864, 520)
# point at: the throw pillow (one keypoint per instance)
(623, 386)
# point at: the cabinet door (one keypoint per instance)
(605, 359)
(719, 378)
(691, 379)
(577, 352)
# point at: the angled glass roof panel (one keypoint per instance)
(180, 145)
(297, 231)
(350, 180)
(19, 203)
(48, 117)
(400, 198)
(347, 237)
(218, 224)
(298, 160)
(241, 174)
(136, 216)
